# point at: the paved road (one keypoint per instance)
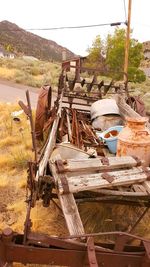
(13, 93)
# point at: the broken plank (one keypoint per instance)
(96, 181)
(69, 207)
(99, 164)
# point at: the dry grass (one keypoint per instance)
(28, 72)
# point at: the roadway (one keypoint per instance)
(12, 93)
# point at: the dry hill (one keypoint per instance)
(26, 43)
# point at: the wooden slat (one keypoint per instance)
(95, 164)
(139, 188)
(146, 184)
(95, 181)
(69, 207)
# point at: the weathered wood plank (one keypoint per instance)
(139, 188)
(69, 207)
(95, 181)
(110, 192)
(95, 164)
(146, 184)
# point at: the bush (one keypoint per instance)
(136, 75)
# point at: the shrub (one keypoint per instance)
(136, 75)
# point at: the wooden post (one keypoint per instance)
(127, 41)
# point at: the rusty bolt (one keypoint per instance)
(7, 234)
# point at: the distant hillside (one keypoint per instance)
(29, 44)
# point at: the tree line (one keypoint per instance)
(109, 56)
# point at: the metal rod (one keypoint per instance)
(139, 219)
(32, 125)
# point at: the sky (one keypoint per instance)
(29, 14)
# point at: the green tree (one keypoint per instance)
(115, 54)
(114, 49)
(95, 58)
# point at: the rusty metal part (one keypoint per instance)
(91, 252)
(109, 178)
(41, 249)
(105, 161)
(64, 183)
(60, 166)
(27, 224)
(139, 162)
(28, 111)
(63, 178)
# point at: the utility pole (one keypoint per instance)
(127, 41)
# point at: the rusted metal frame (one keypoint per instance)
(69, 125)
(114, 233)
(62, 124)
(97, 70)
(28, 111)
(75, 103)
(84, 97)
(27, 223)
(89, 133)
(69, 257)
(91, 252)
(50, 142)
(43, 240)
(75, 129)
(57, 251)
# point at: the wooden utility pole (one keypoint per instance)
(127, 41)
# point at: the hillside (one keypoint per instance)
(30, 44)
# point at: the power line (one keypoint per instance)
(78, 27)
(71, 27)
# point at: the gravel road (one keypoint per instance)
(12, 93)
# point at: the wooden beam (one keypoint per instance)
(68, 205)
(97, 164)
(94, 181)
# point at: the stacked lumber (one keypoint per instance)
(111, 177)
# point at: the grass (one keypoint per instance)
(29, 72)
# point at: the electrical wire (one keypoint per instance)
(70, 27)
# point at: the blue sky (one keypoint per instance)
(54, 13)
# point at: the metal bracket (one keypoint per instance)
(60, 166)
(139, 163)
(109, 178)
(91, 252)
(104, 161)
(63, 178)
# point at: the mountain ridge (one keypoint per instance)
(30, 44)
